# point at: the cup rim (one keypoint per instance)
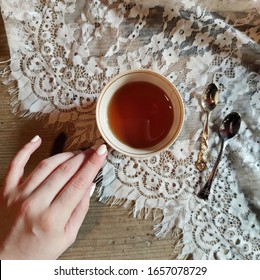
(147, 152)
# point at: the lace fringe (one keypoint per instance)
(13, 90)
(5, 69)
(5, 61)
(143, 213)
(5, 72)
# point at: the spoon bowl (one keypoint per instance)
(230, 126)
(210, 97)
(209, 101)
(227, 130)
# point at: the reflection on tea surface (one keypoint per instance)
(140, 114)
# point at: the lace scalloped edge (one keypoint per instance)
(13, 90)
(144, 213)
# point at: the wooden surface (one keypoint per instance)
(107, 232)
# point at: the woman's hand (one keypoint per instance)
(41, 216)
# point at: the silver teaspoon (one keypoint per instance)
(227, 130)
(209, 101)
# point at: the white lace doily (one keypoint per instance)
(64, 52)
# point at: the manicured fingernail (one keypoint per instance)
(35, 139)
(92, 190)
(101, 150)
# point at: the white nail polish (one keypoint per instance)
(35, 139)
(92, 190)
(101, 150)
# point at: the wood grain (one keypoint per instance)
(107, 232)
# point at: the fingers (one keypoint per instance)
(78, 215)
(16, 168)
(59, 187)
(55, 182)
(80, 183)
(43, 170)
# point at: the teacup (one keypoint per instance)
(139, 113)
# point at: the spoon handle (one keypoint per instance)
(204, 193)
(201, 163)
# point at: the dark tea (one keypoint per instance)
(140, 114)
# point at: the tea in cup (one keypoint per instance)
(139, 113)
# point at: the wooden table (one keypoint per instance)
(107, 232)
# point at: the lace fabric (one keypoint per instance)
(64, 52)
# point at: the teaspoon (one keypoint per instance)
(227, 130)
(208, 102)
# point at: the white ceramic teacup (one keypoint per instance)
(118, 82)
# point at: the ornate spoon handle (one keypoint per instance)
(201, 163)
(204, 193)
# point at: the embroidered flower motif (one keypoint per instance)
(47, 49)
(65, 35)
(158, 42)
(202, 40)
(219, 23)
(180, 170)
(57, 63)
(170, 56)
(200, 67)
(68, 75)
(45, 36)
(46, 26)
(154, 161)
(182, 31)
(35, 64)
(181, 149)
(225, 39)
(166, 169)
(221, 220)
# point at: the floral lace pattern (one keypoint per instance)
(64, 52)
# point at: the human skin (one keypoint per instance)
(40, 215)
